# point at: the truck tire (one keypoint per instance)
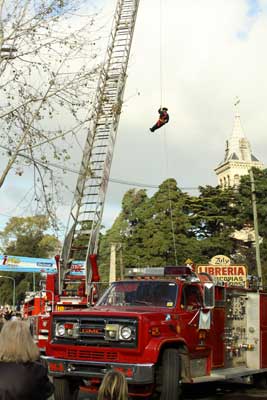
(65, 389)
(260, 381)
(171, 373)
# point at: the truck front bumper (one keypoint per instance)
(135, 373)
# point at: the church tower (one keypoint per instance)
(238, 157)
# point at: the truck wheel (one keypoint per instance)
(260, 381)
(65, 389)
(171, 371)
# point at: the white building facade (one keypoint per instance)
(238, 157)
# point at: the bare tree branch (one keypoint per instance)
(48, 63)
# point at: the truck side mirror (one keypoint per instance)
(209, 295)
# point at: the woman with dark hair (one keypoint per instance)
(113, 387)
(22, 375)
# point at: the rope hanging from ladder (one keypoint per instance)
(160, 52)
(164, 118)
(163, 111)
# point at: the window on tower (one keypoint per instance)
(236, 180)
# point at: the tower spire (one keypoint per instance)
(237, 128)
(238, 148)
(238, 157)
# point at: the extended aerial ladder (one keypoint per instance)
(81, 240)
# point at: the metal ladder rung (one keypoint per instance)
(90, 194)
(83, 232)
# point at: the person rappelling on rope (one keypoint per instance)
(163, 119)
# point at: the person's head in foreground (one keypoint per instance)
(113, 387)
(16, 343)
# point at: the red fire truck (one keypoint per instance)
(161, 332)
(37, 306)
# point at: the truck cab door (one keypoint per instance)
(191, 303)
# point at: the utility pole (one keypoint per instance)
(113, 256)
(112, 270)
(256, 229)
(121, 263)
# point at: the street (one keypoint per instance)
(211, 392)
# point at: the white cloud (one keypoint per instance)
(206, 62)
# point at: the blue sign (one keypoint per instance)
(27, 264)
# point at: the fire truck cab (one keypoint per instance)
(161, 332)
(37, 306)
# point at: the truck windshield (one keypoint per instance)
(140, 293)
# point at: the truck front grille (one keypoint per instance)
(91, 331)
(88, 355)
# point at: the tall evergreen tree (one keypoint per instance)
(213, 216)
(153, 231)
(122, 230)
(164, 235)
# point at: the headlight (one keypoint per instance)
(67, 329)
(116, 332)
(126, 333)
(60, 330)
(112, 331)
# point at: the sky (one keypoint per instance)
(196, 56)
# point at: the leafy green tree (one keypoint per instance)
(172, 226)
(245, 216)
(122, 229)
(245, 208)
(25, 236)
(216, 214)
(152, 231)
(162, 237)
(213, 211)
(213, 218)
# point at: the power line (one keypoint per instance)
(75, 171)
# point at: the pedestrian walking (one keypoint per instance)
(113, 387)
(22, 375)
